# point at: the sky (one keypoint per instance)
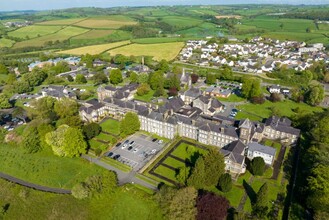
(10, 5)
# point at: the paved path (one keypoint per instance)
(34, 186)
(123, 177)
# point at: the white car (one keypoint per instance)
(160, 141)
(135, 150)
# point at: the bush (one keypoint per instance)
(257, 100)
(98, 152)
(80, 191)
(225, 182)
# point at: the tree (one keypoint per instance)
(43, 109)
(70, 78)
(129, 124)
(197, 178)
(314, 95)
(11, 79)
(156, 80)
(100, 78)
(212, 207)
(66, 108)
(66, 141)
(3, 69)
(143, 89)
(225, 182)
(251, 88)
(210, 78)
(143, 78)
(260, 207)
(81, 79)
(4, 101)
(173, 82)
(194, 78)
(91, 130)
(257, 166)
(308, 30)
(80, 191)
(31, 140)
(281, 26)
(116, 76)
(183, 174)
(214, 167)
(133, 77)
(275, 97)
(172, 92)
(163, 66)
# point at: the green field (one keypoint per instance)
(34, 31)
(93, 50)
(158, 40)
(94, 34)
(167, 51)
(186, 151)
(166, 172)
(145, 98)
(111, 126)
(62, 22)
(202, 30)
(44, 167)
(173, 162)
(127, 202)
(61, 35)
(6, 42)
(89, 38)
(181, 22)
(111, 22)
(232, 98)
(258, 112)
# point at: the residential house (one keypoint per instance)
(258, 150)
(234, 157)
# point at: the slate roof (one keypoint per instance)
(254, 146)
(282, 125)
(236, 147)
(193, 92)
(236, 158)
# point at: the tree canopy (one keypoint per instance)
(211, 206)
(129, 124)
(257, 166)
(116, 76)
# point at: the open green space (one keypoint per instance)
(94, 34)
(62, 21)
(127, 202)
(285, 108)
(61, 35)
(6, 42)
(169, 51)
(96, 144)
(157, 40)
(173, 162)
(186, 151)
(111, 126)
(44, 168)
(201, 30)
(181, 21)
(117, 164)
(232, 98)
(34, 31)
(166, 172)
(234, 195)
(145, 98)
(104, 137)
(111, 22)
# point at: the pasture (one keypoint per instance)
(93, 50)
(6, 42)
(167, 51)
(92, 34)
(181, 22)
(61, 35)
(34, 31)
(62, 22)
(110, 22)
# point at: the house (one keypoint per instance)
(274, 89)
(190, 95)
(255, 149)
(234, 157)
(218, 92)
(208, 105)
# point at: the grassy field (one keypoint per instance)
(173, 162)
(167, 51)
(61, 35)
(45, 168)
(96, 49)
(34, 31)
(145, 98)
(111, 22)
(166, 172)
(94, 34)
(257, 112)
(202, 30)
(158, 40)
(62, 22)
(114, 36)
(6, 42)
(186, 151)
(232, 98)
(127, 202)
(181, 22)
(111, 126)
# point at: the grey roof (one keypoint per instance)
(236, 158)
(193, 92)
(111, 88)
(205, 99)
(245, 124)
(254, 146)
(215, 103)
(236, 147)
(282, 125)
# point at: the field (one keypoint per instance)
(6, 42)
(34, 31)
(61, 35)
(96, 49)
(181, 22)
(94, 37)
(286, 107)
(167, 51)
(145, 98)
(62, 22)
(94, 34)
(111, 126)
(158, 40)
(111, 22)
(44, 167)
(127, 202)
(202, 30)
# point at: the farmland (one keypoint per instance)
(34, 31)
(167, 51)
(61, 35)
(62, 22)
(96, 49)
(181, 21)
(111, 22)
(6, 42)
(100, 37)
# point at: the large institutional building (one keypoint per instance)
(192, 115)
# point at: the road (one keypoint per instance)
(123, 177)
(34, 186)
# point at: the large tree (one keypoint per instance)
(197, 178)
(91, 130)
(100, 78)
(260, 207)
(66, 141)
(129, 124)
(66, 108)
(314, 95)
(3, 69)
(79, 78)
(116, 76)
(257, 166)
(156, 80)
(212, 207)
(225, 182)
(163, 66)
(4, 101)
(210, 78)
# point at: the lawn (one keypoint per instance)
(95, 144)
(111, 126)
(127, 202)
(166, 172)
(111, 22)
(186, 151)
(44, 167)
(61, 35)
(104, 137)
(145, 98)
(34, 31)
(234, 195)
(94, 50)
(167, 51)
(6, 42)
(232, 98)
(285, 108)
(173, 162)
(61, 22)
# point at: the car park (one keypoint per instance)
(124, 146)
(160, 141)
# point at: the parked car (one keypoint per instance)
(118, 144)
(116, 157)
(110, 154)
(131, 143)
(154, 140)
(130, 148)
(160, 141)
(135, 150)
